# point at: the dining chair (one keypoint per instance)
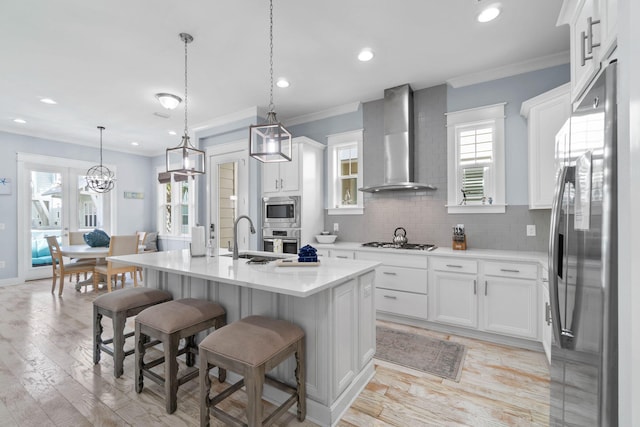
(119, 245)
(60, 269)
(142, 235)
(77, 238)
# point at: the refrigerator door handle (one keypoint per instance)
(563, 336)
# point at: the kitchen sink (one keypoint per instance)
(258, 257)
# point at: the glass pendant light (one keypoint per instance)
(270, 142)
(185, 159)
(99, 178)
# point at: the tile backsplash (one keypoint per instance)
(426, 220)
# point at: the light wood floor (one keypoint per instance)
(47, 378)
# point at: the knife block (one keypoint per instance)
(459, 243)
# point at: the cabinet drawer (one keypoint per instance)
(399, 260)
(402, 279)
(454, 265)
(401, 303)
(337, 253)
(509, 269)
(322, 253)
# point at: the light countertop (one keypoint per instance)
(294, 281)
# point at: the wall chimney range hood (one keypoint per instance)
(398, 143)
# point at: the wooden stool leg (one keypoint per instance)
(139, 361)
(53, 285)
(301, 381)
(61, 285)
(119, 320)
(192, 348)
(171, 372)
(205, 387)
(97, 334)
(254, 382)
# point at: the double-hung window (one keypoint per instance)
(176, 200)
(344, 173)
(475, 141)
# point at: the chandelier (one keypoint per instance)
(271, 141)
(185, 159)
(99, 178)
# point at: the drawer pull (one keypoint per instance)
(342, 256)
(390, 297)
(390, 273)
(474, 286)
(509, 270)
(454, 265)
(486, 285)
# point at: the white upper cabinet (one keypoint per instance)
(546, 114)
(593, 31)
(282, 176)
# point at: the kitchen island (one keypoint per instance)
(332, 302)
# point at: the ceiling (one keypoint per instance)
(103, 61)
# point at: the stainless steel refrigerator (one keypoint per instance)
(583, 263)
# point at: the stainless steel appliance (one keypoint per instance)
(583, 264)
(281, 212)
(411, 246)
(289, 237)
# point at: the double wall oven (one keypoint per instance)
(281, 224)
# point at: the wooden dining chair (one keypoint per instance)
(119, 245)
(142, 235)
(60, 269)
(77, 238)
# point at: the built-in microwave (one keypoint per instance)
(281, 212)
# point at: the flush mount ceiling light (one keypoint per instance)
(168, 100)
(185, 159)
(270, 142)
(365, 55)
(488, 12)
(99, 178)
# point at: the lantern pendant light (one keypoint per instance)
(99, 178)
(270, 142)
(185, 159)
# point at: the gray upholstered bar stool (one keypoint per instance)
(168, 323)
(252, 347)
(119, 306)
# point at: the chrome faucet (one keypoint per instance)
(235, 233)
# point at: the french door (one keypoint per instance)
(54, 200)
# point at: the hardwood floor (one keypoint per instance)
(47, 378)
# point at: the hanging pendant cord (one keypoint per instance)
(185, 85)
(101, 129)
(271, 105)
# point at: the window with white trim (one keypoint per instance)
(344, 173)
(176, 206)
(475, 140)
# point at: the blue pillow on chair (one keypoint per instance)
(97, 238)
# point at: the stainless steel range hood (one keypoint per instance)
(398, 143)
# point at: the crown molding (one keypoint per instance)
(510, 70)
(324, 114)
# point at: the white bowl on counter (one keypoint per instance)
(326, 238)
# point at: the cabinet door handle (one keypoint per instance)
(342, 256)
(390, 273)
(547, 313)
(277, 180)
(475, 289)
(486, 285)
(454, 266)
(281, 184)
(590, 43)
(390, 297)
(508, 270)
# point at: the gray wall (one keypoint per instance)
(133, 174)
(424, 214)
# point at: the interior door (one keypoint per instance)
(55, 200)
(228, 196)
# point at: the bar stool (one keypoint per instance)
(119, 306)
(168, 323)
(252, 347)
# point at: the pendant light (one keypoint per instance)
(270, 142)
(99, 178)
(185, 159)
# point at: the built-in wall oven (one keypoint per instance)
(281, 212)
(285, 240)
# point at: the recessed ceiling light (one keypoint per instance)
(282, 82)
(134, 143)
(365, 55)
(48, 101)
(172, 132)
(489, 13)
(21, 121)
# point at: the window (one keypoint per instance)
(176, 201)
(344, 173)
(475, 141)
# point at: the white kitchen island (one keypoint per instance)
(333, 303)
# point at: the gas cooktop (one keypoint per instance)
(412, 246)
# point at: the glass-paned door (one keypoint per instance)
(59, 201)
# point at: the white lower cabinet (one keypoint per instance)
(510, 306)
(453, 287)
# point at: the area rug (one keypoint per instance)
(431, 355)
